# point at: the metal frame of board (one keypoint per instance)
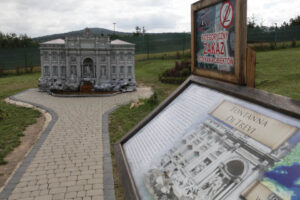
(240, 71)
(274, 102)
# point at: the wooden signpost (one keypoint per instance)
(218, 45)
(214, 138)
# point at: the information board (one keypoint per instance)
(203, 143)
(219, 39)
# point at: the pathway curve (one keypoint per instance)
(68, 164)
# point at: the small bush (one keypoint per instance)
(262, 46)
(164, 56)
(177, 74)
(172, 80)
(294, 44)
(177, 55)
(272, 45)
(18, 70)
(283, 46)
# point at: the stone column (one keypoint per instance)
(68, 70)
(78, 64)
(133, 65)
(97, 66)
(108, 66)
(59, 63)
(42, 64)
(117, 66)
(50, 65)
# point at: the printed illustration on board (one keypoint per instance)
(228, 156)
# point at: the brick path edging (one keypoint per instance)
(108, 182)
(108, 187)
(15, 178)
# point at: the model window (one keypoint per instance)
(54, 71)
(62, 55)
(63, 71)
(129, 70)
(122, 70)
(113, 69)
(121, 56)
(46, 55)
(113, 56)
(103, 58)
(46, 71)
(129, 56)
(54, 55)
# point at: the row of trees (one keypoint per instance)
(252, 23)
(12, 40)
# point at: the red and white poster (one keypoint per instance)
(215, 37)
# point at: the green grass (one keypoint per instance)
(277, 71)
(14, 119)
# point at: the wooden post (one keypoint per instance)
(250, 67)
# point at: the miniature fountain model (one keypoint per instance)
(87, 63)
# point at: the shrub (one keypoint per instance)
(177, 55)
(272, 45)
(293, 43)
(177, 74)
(173, 80)
(262, 47)
(18, 70)
(283, 45)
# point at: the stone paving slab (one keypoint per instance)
(72, 160)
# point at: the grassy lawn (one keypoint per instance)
(14, 119)
(277, 71)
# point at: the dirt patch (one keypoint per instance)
(31, 134)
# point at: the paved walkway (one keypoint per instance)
(69, 164)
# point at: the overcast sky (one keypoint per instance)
(45, 17)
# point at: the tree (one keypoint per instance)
(251, 22)
(138, 31)
(295, 22)
(11, 40)
(144, 30)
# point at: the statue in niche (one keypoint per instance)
(88, 71)
(73, 76)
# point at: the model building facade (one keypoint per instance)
(69, 64)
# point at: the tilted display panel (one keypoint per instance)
(206, 144)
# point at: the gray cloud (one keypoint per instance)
(44, 17)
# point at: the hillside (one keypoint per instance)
(96, 31)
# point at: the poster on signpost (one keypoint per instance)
(218, 39)
(215, 37)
